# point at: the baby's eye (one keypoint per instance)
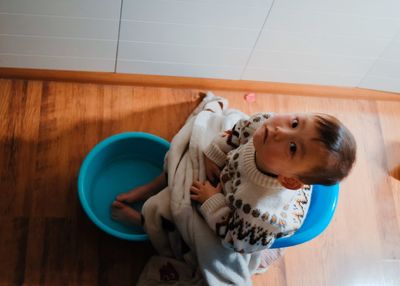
(293, 148)
(295, 123)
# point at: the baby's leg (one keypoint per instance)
(125, 214)
(145, 191)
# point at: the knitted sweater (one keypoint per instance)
(254, 208)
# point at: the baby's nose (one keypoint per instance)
(280, 133)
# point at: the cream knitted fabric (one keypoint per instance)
(255, 208)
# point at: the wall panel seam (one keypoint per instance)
(258, 38)
(118, 36)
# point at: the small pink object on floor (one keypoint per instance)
(250, 97)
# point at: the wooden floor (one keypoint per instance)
(47, 128)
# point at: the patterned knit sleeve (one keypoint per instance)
(228, 140)
(239, 228)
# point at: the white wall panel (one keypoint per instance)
(70, 35)
(329, 63)
(67, 8)
(329, 23)
(182, 54)
(174, 69)
(290, 76)
(189, 38)
(392, 51)
(31, 45)
(365, 8)
(385, 73)
(316, 69)
(322, 42)
(307, 43)
(227, 2)
(58, 26)
(187, 35)
(225, 14)
(57, 63)
(386, 68)
(390, 84)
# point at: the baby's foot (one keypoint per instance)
(125, 214)
(137, 194)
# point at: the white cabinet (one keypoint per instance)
(58, 34)
(211, 39)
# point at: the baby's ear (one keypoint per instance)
(290, 183)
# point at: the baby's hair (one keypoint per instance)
(340, 147)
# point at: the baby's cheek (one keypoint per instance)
(257, 133)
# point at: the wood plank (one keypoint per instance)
(13, 238)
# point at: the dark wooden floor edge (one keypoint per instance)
(198, 83)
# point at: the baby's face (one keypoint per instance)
(285, 144)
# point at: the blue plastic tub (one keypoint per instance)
(322, 208)
(117, 165)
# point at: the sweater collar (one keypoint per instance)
(253, 173)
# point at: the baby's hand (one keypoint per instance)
(212, 170)
(200, 192)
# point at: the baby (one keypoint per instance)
(258, 175)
